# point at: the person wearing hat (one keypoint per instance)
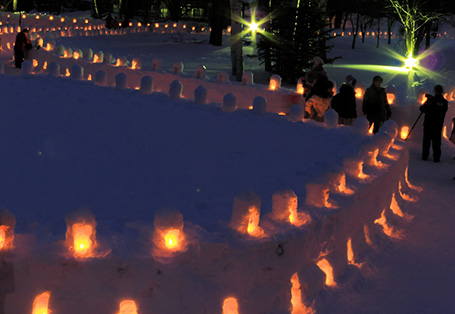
(22, 43)
(344, 103)
(435, 109)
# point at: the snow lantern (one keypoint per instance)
(296, 113)
(168, 236)
(121, 81)
(370, 153)
(54, 69)
(60, 50)
(101, 78)
(156, 64)
(200, 72)
(275, 82)
(388, 230)
(247, 78)
(325, 266)
(175, 89)
(7, 224)
(136, 64)
(361, 125)
(77, 72)
(300, 88)
(39, 42)
(88, 54)
(108, 58)
(27, 67)
(230, 306)
(331, 118)
(404, 132)
(284, 207)
(98, 57)
(146, 84)
(383, 142)
(77, 54)
(391, 98)
(81, 234)
(223, 77)
(297, 306)
(177, 67)
(128, 307)
(229, 103)
(200, 95)
(41, 303)
(359, 92)
(390, 127)
(337, 183)
(354, 168)
(121, 61)
(259, 105)
(317, 194)
(246, 214)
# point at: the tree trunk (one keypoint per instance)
(236, 40)
(377, 32)
(355, 30)
(216, 34)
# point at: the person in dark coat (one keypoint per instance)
(375, 106)
(22, 43)
(344, 103)
(435, 109)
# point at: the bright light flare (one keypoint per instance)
(411, 63)
(41, 303)
(253, 27)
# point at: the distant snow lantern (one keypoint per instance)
(359, 92)
(108, 58)
(391, 98)
(101, 78)
(156, 64)
(77, 54)
(27, 67)
(284, 207)
(384, 142)
(200, 72)
(300, 88)
(317, 194)
(331, 118)
(354, 168)
(246, 214)
(404, 132)
(136, 64)
(168, 236)
(81, 234)
(54, 69)
(337, 183)
(128, 307)
(177, 67)
(229, 103)
(247, 78)
(275, 82)
(77, 72)
(88, 54)
(361, 125)
(296, 113)
(41, 303)
(223, 77)
(7, 224)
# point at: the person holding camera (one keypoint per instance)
(375, 106)
(20, 46)
(435, 109)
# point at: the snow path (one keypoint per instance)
(416, 274)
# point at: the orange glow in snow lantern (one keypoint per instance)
(404, 132)
(325, 266)
(76, 55)
(390, 98)
(82, 237)
(358, 92)
(128, 307)
(246, 213)
(370, 130)
(51, 18)
(41, 303)
(81, 234)
(388, 230)
(168, 237)
(230, 306)
(7, 224)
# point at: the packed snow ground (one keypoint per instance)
(412, 275)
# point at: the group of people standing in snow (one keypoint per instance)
(319, 98)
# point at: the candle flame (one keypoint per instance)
(325, 266)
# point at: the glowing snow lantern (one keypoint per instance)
(67, 72)
(390, 98)
(74, 20)
(7, 224)
(354, 168)
(157, 25)
(41, 303)
(275, 82)
(358, 92)
(76, 54)
(128, 307)
(35, 63)
(404, 132)
(168, 236)
(284, 207)
(51, 18)
(230, 306)
(89, 78)
(246, 213)
(86, 21)
(184, 26)
(444, 132)
(388, 230)
(296, 298)
(24, 16)
(325, 266)
(193, 28)
(62, 19)
(81, 234)
(300, 88)
(37, 17)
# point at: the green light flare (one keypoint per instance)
(372, 68)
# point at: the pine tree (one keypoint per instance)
(295, 35)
